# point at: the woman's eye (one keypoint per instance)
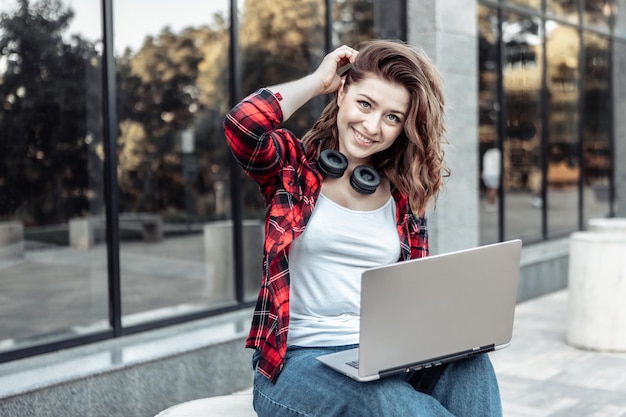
(394, 118)
(365, 104)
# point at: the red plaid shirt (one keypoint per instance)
(290, 183)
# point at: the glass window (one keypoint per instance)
(596, 140)
(535, 4)
(521, 150)
(278, 43)
(564, 9)
(53, 272)
(598, 13)
(488, 112)
(176, 251)
(619, 14)
(353, 21)
(562, 50)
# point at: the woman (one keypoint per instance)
(331, 215)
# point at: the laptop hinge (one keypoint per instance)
(437, 361)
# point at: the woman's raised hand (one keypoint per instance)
(327, 70)
(324, 80)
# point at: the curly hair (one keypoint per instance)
(415, 162)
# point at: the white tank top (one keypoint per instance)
(325, 264)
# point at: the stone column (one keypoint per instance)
(218, 252)
(597, 290)
(619, 122)
(447, 31)
(11, 240)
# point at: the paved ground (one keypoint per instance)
(541, 375)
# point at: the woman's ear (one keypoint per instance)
(341, 92)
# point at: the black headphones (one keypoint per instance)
(363, 179)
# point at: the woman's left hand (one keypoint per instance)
(327, 70)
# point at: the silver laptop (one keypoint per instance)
(433, 310)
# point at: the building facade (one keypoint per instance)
(122, 213)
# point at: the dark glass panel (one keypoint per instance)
(596, 140)
(353, 21)
(619, 16)
(562, 78)
(279, 43)
(522, 75)
(598, 13)
(564, 9)
(53, 272)
(488, 111)
(176, 252)
(534, 4)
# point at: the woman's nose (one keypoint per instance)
(371, 124)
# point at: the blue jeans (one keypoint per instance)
(306, 387)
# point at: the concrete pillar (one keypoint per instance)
(608, 225)
(218, 252)
(597, 290)
(11, 240)
(447, 31)
(619, 122)
(85, 232)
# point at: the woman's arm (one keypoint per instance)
(325, 80)
(249, 124)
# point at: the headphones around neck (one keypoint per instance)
(364, 179)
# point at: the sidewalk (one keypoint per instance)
(540, 375)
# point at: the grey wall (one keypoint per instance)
(544, 268)
(132, 376)
(142, 390)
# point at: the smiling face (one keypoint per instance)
(371, 116)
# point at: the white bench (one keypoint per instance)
(150, 225)
(84, 232)
(238, 404)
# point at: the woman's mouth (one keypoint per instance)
(362, 139)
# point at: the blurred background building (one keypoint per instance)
(121, 211)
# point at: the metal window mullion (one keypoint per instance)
(328, 36)
(581, 125)
(235, 175)
(612, 128)
(544, 148)
(501, 123)
(111, 194)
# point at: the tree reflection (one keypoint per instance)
(161, 95)
(51, 93)
(50, 123)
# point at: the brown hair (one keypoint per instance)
(414, 163)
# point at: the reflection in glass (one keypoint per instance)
(173, 163)
(598, 13)
(53, 281)
(535, 4)
(278, 43)
(488, 124)
(281, 43)
(562, 50)
(596, 141)
(564, 9)
(353, 22)
(619, 16)
(522, 73)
